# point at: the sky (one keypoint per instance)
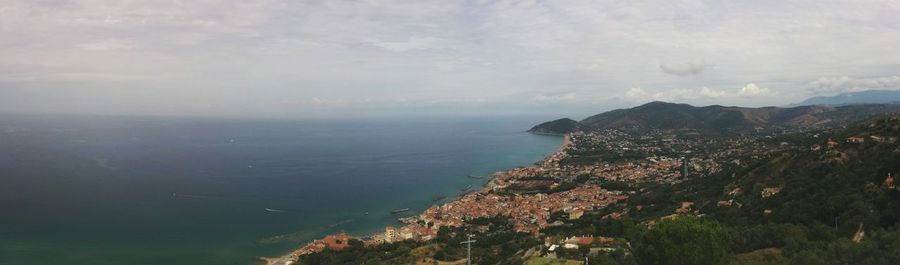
(320, 59)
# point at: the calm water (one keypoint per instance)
(107, 190)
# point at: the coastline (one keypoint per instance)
(321, 172)
(567, 141)
(293, 255)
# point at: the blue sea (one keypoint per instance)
(164, 190)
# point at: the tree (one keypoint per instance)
(684, 240)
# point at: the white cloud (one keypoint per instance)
(712, 93)
(637, 94)
(555, 98)
(752, 90)
(830, 85)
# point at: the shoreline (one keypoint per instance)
(567, 141)
(291, 257)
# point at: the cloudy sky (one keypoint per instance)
(353, 58)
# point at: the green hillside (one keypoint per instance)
(715, 119)
(557, 127)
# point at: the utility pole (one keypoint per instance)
(469, 249)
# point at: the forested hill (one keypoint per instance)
(817, 204)
(716, 119)
(560, 126)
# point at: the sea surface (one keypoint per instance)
(162, 190)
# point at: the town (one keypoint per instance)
(575, 180)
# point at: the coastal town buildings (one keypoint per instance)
(390, 234)
(571, 183)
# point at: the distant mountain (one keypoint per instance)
(714, 119)
(853, 98)
(560, 126)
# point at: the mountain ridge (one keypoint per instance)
(854, 98)
(660, 115)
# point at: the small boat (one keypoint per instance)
(466, 188)
(438, 198)
(400, 210)
(367, 213)
(475, 177)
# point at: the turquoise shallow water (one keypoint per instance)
(117, 190)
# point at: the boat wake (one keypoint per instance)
(275, 210)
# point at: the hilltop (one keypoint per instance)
(555, 127)
(715, 119)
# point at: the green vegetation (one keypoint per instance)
(826, 197)
(550, 261)
(684, 240)
(396, 253)
(720, 119)
(497, 244)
